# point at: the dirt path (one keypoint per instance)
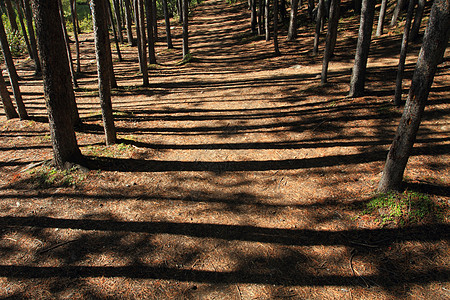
(237, 177)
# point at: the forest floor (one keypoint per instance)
(236, 176)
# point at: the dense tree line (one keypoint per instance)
(48, 44)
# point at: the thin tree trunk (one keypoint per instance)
(129, 22)
(167, 23)
(362, 49)
(13, 77)
(11, 15)
(397, 9)
(73, 10)
(275, 28)
(69, 52)
(267, 19)
(57, 86)
(185, 28)
(150, 38)
(431, 54)
(118, 20)
(253, 16)
(143, 41)
(103, 52)
(320, 12)
(180, 10)
(111, 19)
(292, 31)
(403, 51)
(331, 38)
(29, 18)
(10, 111)
(155, 20)
(24, 30)
(381, 18)
(260, 17)
(417, 21)
(141, 45)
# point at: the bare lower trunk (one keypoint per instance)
(33, 43)
(185, 28)
(267, 19)
(24, 30)
(150, 37)
(111, 20)
(320, 10)
(129, 22)
(417, 20)
(8, 106)
(73, 10)
(397, 9)
(167, 23)
(331, 38)
(118, 20)
(275, 28)
(381, 18)
(292, 31)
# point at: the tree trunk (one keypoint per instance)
(99, 10)
(403, 51)
(185, 28)
(267, 19)
(253, 17)
(118, 20)
(10, 111)
(138, 33)
(331, 38)
(140, 41)
(24, 30)
(69, 52)
(57, 86)
(111, 18)
(260, 17)
(129, 22)
(381, 18)
(73, 10)
(155, 20)
(320, 11)
(432, 51)
(397, 9)
(33, 43)
(275, 28)
(11, 15)
(150, 38)
(180, 10)
(167, 23)
(417, 21)
(13, 78)
(362, 49)
(292, 31)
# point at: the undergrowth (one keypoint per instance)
(49, 177)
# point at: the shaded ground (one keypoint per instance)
(237, 177)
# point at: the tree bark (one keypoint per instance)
(253, 17)
(155, 20)
(267, 19)
(331, 38)
(320, 11)
(129, 22)
(111, 18)
(150, 38)
(140, 42)
(292, 31)
(362, 49)
(417, 21)
(167, 23)
(73, 10)
(24, 30)
(185, 28)
(11, 15)
(118, 20)
(10, 111)
(397, 9)
(381, 18)
(13, 78)
(99, 10)
(434, 44)
(29, 18)
(275, 28)
(57, 85)
(403, 51)
(260, 17)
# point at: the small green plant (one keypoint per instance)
(113, 151)
(403, 208)
(186, 59)
(48, 177)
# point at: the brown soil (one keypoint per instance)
(237, 176)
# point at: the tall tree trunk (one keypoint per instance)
(99, 10)
(362, 49)
(150, 38)
(57, 86)
(118, 20)
(24, 30)
(381, 18)
(320, 12)
(331, 38)
(253, 16)
(275, 28)
(397, 9)
(185, 28)
(167, 23)
(260, 17)
(129, 23)
(434, 44)
(417, 21)
(292, 31)
(143, 41)
(140, 44)
(13, 78)
(180, 10)
(111, 19)
(69, 53)
(10, 111)
(403, 51)
(155, 20)
(33, 43)
(73, 11)
(11, 15)
(267, 19)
